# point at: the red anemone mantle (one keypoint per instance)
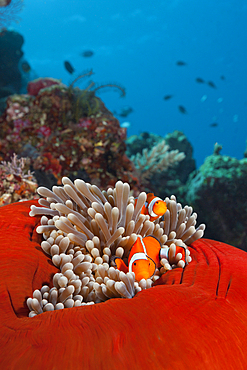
(195, 318)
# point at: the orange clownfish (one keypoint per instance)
(154, 207)
(145, 256)
(139, 260)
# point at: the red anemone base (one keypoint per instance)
(194, 318)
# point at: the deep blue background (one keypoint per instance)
(137, 44)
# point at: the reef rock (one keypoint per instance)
(65, 131)
(217, 190)
(10, 54)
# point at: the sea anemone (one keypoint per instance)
(193, 318)
(88, 228)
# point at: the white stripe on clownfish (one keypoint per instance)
(164, 252)
(136, 256)
(151, 205)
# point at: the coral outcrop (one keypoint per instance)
(163, 180)
(157, 160)
(217, 190)
(65, 131)
(10, 54)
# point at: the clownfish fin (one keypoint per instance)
(150, 196)
(120, 265)
(151, 241)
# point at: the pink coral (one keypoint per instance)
(44, 130)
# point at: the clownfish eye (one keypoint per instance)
(157, 202)
(134, 263)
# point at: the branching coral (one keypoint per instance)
(16, 181)
(158, 159)
(88, 227)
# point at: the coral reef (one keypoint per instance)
(145, 140)
(177, 140)
(165, 181)
(65, 131)
(218, 191)
(16, 181)
(200, 310)
(157, 160)
(89, 227)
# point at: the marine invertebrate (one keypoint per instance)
(200, 309)
(84, 102)
(158, 159)
(110, 85)
(16, 181)
(9, 13)
(89, 227)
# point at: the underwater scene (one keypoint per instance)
(123, 78)
(123, 174)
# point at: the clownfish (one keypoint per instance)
(154, 207)
(139, 261)
(145, 256)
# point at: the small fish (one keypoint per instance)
(212, 84)
(222, 77)
(125, 111)
(168, 97)
(25, 66)
(200, 80)
(4, 3)
(145, 256)
(87, 53)
(68, 67)
(182, 109)
(154, 207)
(204, 98)
(138, 261)
(181, 63)
(125, 124)
(214, 124)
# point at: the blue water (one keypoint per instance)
(137, 44)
